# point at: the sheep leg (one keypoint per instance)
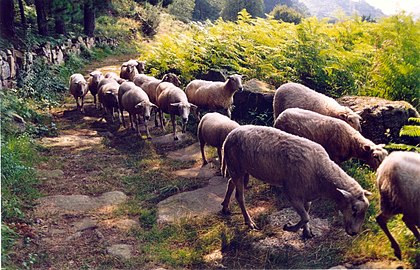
(411, 226)
(147, 129)
(202, 144)
(77, 103)
(122, 117)
(136, 122)
(174, 126)
(300, 208)
(156, 116)
(382, 221)
(246, 181)
(82, 101)
(94, 101)
(239, 195)
(161, 119)
(226, 201)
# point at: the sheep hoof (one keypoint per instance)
(149, 138)
(176, 139)
(226, 211)
(307, 234)
(290, 227)
(253, 226)
(397, 253)
(204, 163)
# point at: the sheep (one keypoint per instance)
(108, 96)
(150, 87)
(212, 130)
(301, 166)
(214, 95)
(131, 68)
(339, 139)
(398, 181)
(78, 87)
(93, 82)
(295, 95)
(141, 79)
(136, 102)
(172, 100)
(113, 75)
(124, 87)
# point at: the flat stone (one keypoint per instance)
(48, 174)
(190, 153)
(380, 265)
(198, 203)
(207, 171)
(120, 250)
(81, 203)
(126, 224)
(168, 139)
(85, 224)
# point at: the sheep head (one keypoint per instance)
(354, 210)
(235, 82)
(141, 66)
(375, 154)
(352, 118)
(184, 109)
(172, 78)
(145, 107)
(96, 77)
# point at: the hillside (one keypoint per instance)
(330, 8)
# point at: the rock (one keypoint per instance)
(85, 224)
(168, 139)
(198, 203)
(120, 250)
(382, 119)
(125, 224)
(5, 70)
(190, 153)
(213, 75)
(80, 203)
(50, 174)
(207, 171)
(60, 56)
(254, 104)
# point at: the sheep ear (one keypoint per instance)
(175, 104)
(343, 116)
(345, 193)
(153, 105)
(381, 145)
(193, 106)
(367, 148)
(109, 92)
(367, 193)
(91, 74)
(140, 105)
(244, 76)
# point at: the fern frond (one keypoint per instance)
(401, 147)
(414, 121)
(410, 131)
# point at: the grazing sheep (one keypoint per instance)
(130, 69)
(137, 103)
(108, 96)
(339, 139)
(214, 95)
(398, 181)
(301, 166)
(78, 88)
(172, 100)
(212, 130)
(295, 95)
(93, 82)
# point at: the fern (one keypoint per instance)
(402, 147)
(414, 121)
(410, 131)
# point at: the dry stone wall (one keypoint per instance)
(13, 61)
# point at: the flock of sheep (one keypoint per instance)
(312, 135)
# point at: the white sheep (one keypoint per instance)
(339, 139)
(172, 100)
(131, 68)
(214, 95)
(93, 82)
(78, 87)
(108, 96)
(295, 95)
(212, 130)
(136, 102)
(398, 181)
(301, 166)
(113, 75)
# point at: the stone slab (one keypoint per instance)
(190, 153)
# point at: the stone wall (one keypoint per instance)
(13, 61)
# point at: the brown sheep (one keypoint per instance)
(108, 96)
(300, 166)
(339, 139)
(295, 95)
(93, 82)
(398, 181)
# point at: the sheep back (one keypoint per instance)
(295, 95)
(170, 94)
(78, 86)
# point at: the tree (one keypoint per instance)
(7, 18)
(254, 7)
(41, 17)
(22, 14)
(286, 14)
(182, 9)
(207, 9)
(89, 17)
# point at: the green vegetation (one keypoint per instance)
(349, 57)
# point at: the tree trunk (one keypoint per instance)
(7, 18)
(89, 18)
(41, 17)
(22, 14)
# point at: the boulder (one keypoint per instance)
(382, 119)
(214, 75)
(254, 105)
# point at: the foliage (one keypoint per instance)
(410, 131)
(414, 121)
(402, 147)
(207, 9)
(8, 238)
(233, 7)
(182, 9)
(286, 14)
(117, 28)
(349, 57)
